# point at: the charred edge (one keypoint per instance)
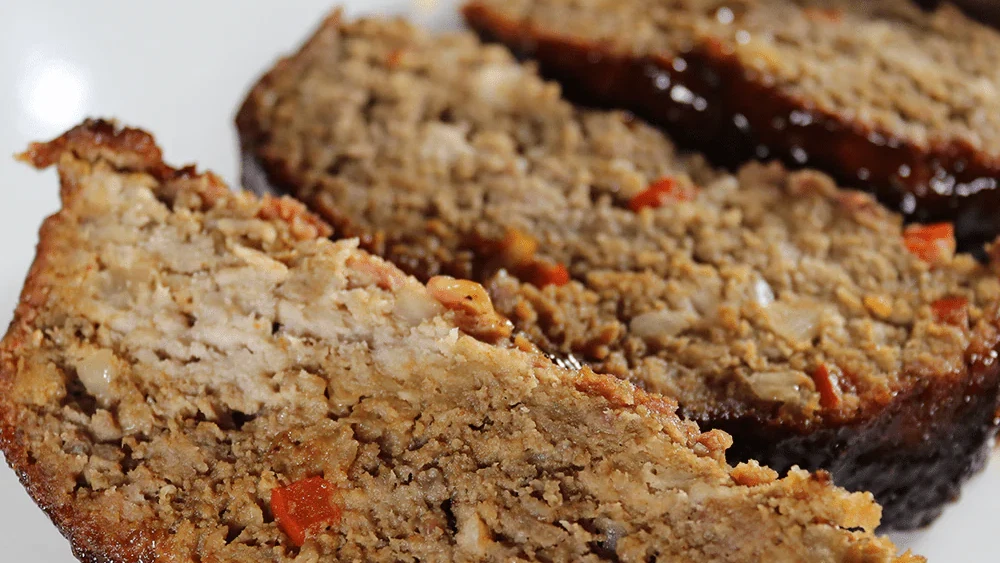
(913, 457)
(93, 139)
(126, 149)
(88, 540)
(729, 113)
(477, 257)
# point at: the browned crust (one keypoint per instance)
(898, 426)
(913, 413)
(597, 73)
(913, 455)
(97, 139)
(129, 150)
(254, 137)
(92, 540)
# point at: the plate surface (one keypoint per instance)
(180, 69)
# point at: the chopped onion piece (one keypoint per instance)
(763, 293)
(782, 386)
(660, 323)
(796, 323)
(96, 372)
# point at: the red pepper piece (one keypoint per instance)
(828, 385)
(951, 310)
(541, 274)
(659, 193)
(303, 507)
(931, 243)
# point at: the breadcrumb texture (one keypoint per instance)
(768, 302)
(180, 351)
(885, 95)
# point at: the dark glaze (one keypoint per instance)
(913, 456)
(913, 452)
(707, 100)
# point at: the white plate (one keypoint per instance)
(179, 69)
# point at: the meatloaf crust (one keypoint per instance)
(728, 95)
(186, 361)
(509, 185)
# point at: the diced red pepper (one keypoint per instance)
(951, 310)
(394, 57)
(518, 247)
(931, 243)
(659, 193)
(828, 385)
(541, 274)
(304, 506)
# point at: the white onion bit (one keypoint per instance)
(662, 323)
(762, 292)
(782, 386)
(798, 324)
(96, 372)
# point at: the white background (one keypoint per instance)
(180, 69)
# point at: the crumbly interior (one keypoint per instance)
(448, 156)
(181, 352)
(925, 77)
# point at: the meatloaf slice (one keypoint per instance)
(882, 95)
(197, 375)
(771, 304)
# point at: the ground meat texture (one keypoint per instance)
(768, 302)
(883, 95)
(199, 375)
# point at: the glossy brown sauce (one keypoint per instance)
(914, 452)
(708, 101)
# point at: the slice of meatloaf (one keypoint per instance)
(801, 318)
(881, 94)
(197, 375)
